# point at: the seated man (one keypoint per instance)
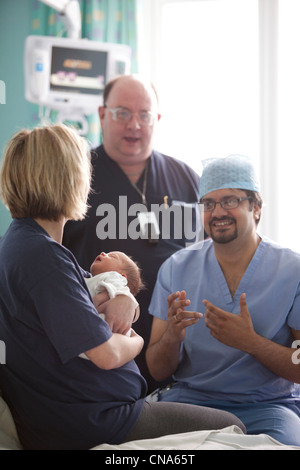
(238, 356)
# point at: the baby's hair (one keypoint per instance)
(134, 277)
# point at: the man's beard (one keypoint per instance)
(222, 236)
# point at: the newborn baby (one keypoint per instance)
(118, 274)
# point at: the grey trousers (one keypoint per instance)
(162, 418)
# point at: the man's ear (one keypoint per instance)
(101, 112)
(256, 212)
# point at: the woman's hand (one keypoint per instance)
(119, 312)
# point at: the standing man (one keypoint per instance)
(130, 182)
(240, 356)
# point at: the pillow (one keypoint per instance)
(8, 434)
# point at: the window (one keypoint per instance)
(227, 74)
(210, 60)
(289, 123)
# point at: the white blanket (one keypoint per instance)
(112, 281)
(8, 434)
(230, 438)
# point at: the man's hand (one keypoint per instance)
(178, 317)
(163, 350)
(233, 330)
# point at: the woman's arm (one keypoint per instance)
(117, 351)
(119, 312)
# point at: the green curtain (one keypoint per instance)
(112, 21)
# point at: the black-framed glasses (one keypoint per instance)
(208, 205)
(124, 116)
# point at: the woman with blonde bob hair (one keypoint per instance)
(46, 173)
(49, 323)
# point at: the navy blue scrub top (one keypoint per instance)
(166, 176)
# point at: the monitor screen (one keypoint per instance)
(78, 70)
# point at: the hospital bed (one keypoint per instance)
(230, 438)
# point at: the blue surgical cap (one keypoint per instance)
(234, 171)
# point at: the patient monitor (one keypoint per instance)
(69, 75)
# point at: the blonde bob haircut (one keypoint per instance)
(46, 173)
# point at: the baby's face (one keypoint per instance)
(112, 261)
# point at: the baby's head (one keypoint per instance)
(123, 264)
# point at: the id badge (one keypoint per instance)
(149, 226)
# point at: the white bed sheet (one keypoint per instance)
(230, 438)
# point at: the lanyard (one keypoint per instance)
(143, 192)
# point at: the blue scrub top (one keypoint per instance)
(210, 370)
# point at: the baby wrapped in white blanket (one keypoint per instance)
(113, 282)
(116, 273)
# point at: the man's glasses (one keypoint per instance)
(124, 116)
(228, 203)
